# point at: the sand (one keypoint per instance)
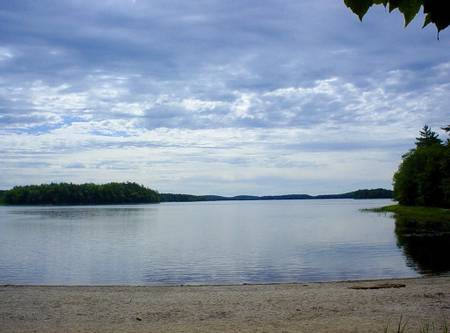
(314, 307)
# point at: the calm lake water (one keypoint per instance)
(207, 243)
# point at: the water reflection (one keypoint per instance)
(80, 213)
(425, 245)
(198, 243)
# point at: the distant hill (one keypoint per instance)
(378, 193)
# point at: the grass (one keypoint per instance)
(431, 327)
(400, 328)
(422, 214)
(427, 327)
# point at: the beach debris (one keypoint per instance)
(138, 318)
(379, 286)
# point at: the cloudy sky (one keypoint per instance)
(213, 96)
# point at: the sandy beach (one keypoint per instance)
(366, 306)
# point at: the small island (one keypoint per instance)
(80, 194)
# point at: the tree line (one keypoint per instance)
(378, 193)
(423, 177)
(80, 194)
(129, 193)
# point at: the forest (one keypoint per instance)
(80, 194)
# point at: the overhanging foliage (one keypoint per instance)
(436, 11)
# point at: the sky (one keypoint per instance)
(215, 97)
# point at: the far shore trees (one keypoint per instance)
(80, 194)
(423, 177)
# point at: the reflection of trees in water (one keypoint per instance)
(81, 213)
(425, 244)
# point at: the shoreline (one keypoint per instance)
(191, 201)
(343, 306)
(224, 284)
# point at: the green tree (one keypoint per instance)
(423, 177)
(447, 129)
(427, 138)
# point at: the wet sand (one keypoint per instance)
(314, 307)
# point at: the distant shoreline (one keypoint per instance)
(132, 193)
(183, 201)
(378, 193)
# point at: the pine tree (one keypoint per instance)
(427, 138)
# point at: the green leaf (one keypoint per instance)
(409, 9)
(441, 21)
(427, 20)
(393, 4)
(438, 13)
(359, 7)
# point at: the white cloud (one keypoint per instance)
(6, 54)
(56, 99)
(194, 104)
(324, 133)
(241, 106)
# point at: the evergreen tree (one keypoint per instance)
(447, 129)
(423, 177)
(427, 137)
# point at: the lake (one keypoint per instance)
(227, 242)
